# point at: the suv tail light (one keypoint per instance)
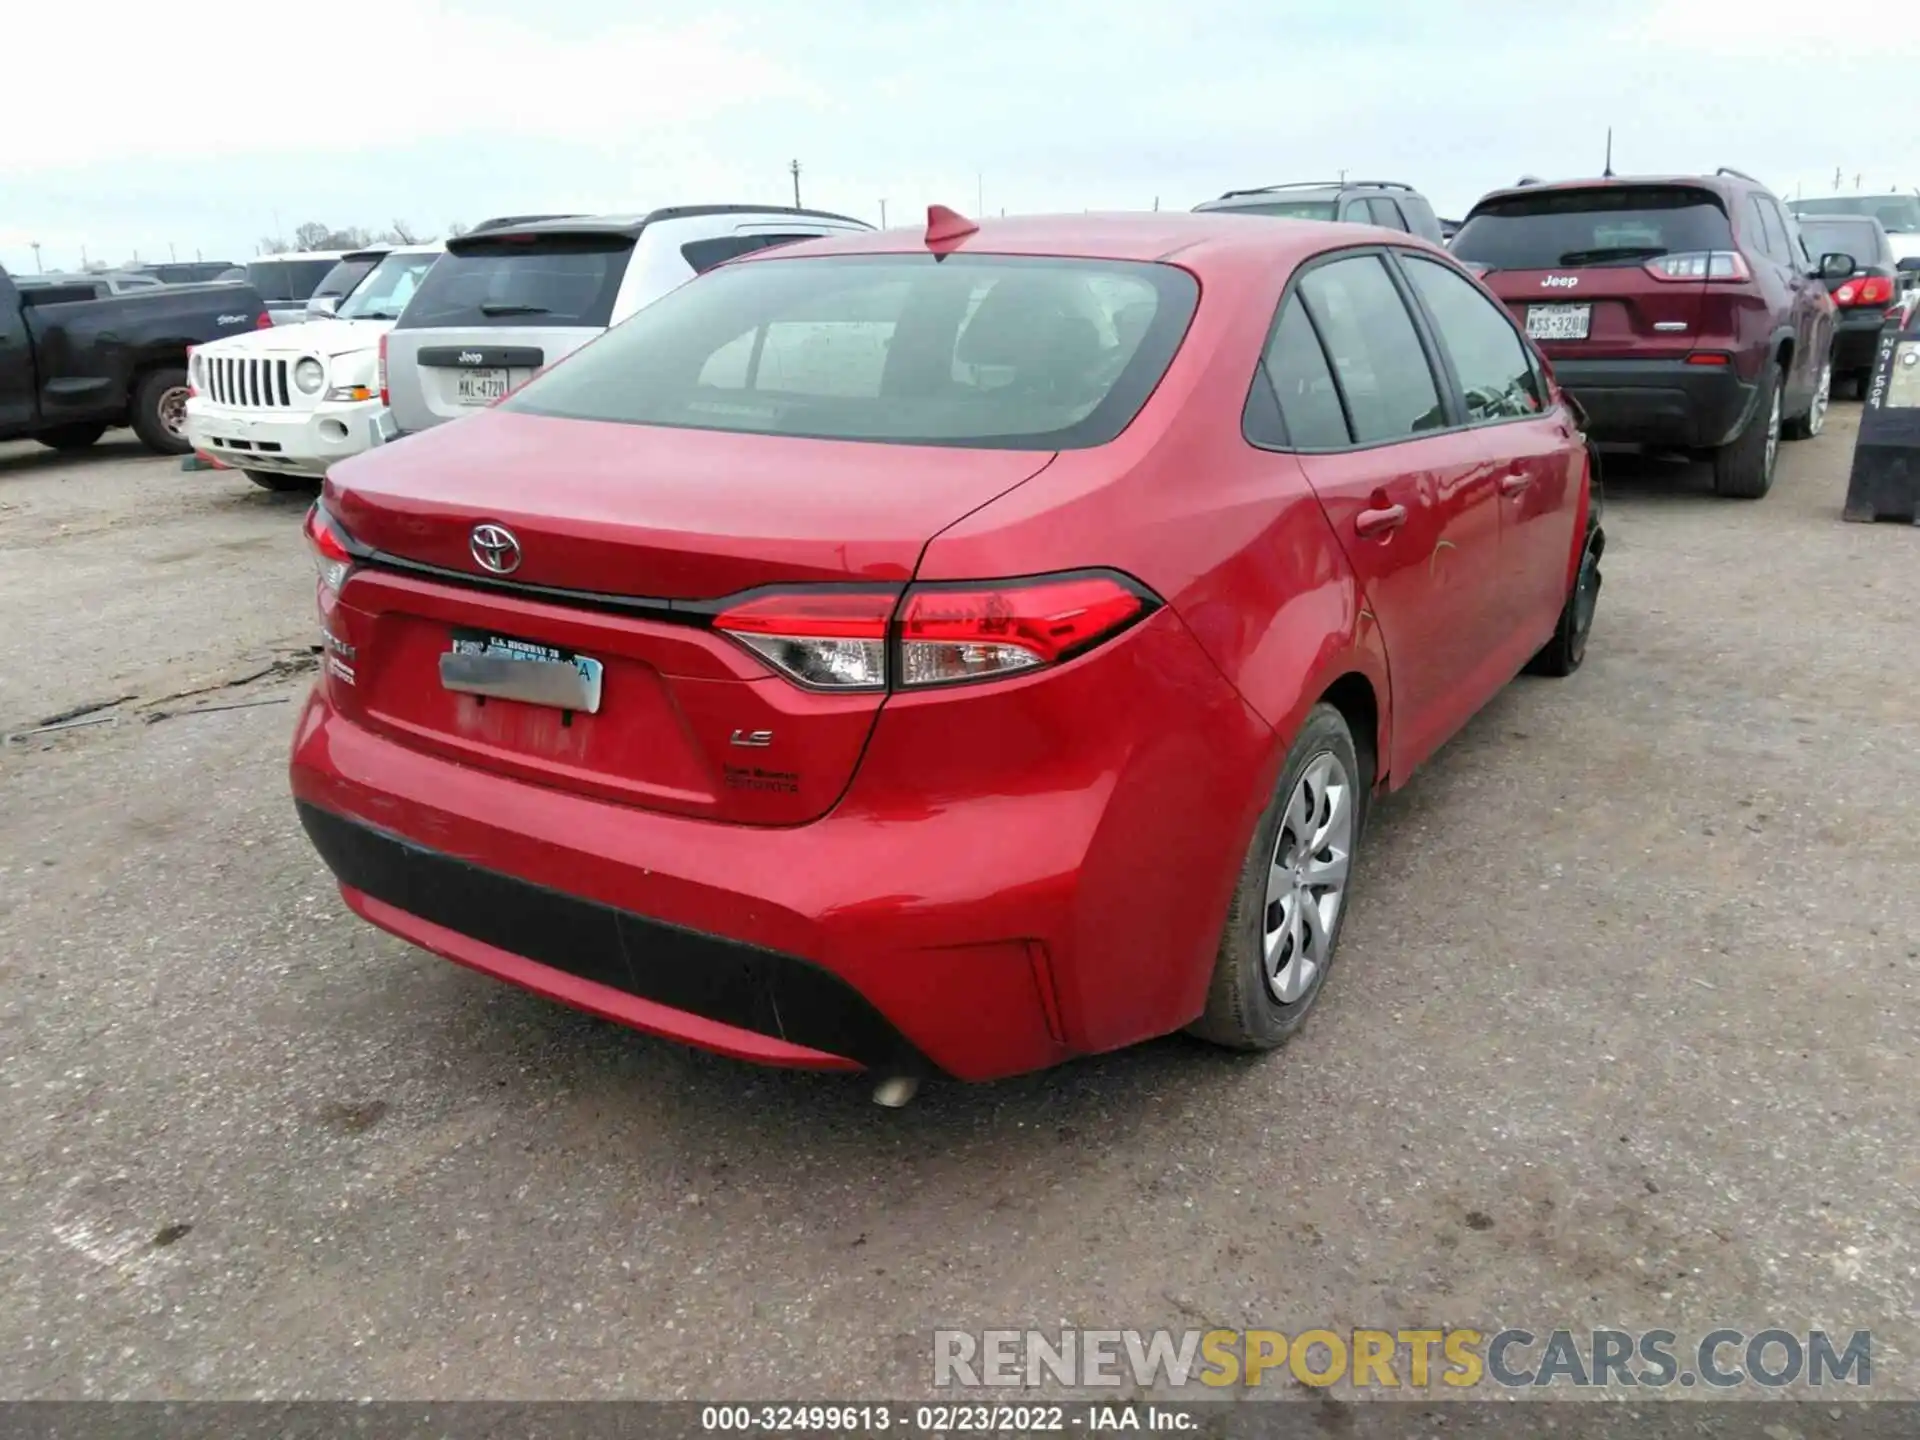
(1700, 265)
(832, 639)
(380, 373)
(264, 321)
(1871, 290)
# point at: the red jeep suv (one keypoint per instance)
(1682, 311)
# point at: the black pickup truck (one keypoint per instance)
(71, 365)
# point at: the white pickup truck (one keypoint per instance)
(282, 404)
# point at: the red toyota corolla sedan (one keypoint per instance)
(954, 652)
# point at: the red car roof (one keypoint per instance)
(1202, 240)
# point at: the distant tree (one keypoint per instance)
(273, 245)
(401, 233)
(456, 229)
(311, 236)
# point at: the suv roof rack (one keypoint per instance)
(1323, 185)
(499, 220)
(1739, 175)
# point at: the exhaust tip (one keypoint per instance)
(895, 1091)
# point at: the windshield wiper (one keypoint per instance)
(1612, 252)
(492, 308)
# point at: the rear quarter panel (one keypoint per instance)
(1234, 540)
(90, 351)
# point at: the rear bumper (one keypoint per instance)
(302, 443)
(1856, 336)
(1658, 402)
(978, 909)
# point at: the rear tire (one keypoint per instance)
(281, 484)
(1815, 420)
(158, 413)
(1743, 468)
(1284, 921)
(70, 437)
(1561, 655)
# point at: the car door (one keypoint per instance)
(1533, 449)
(1813, 322)
(1386, 213)
(1792, 281)
(1413, 507)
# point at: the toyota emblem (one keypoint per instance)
(495, 549)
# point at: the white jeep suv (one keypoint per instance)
(283, 404)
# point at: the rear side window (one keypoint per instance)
(1303, 383)
(1769, 231)
(345, 274)
(703, 255)
(984, 351)
(1384, 212)
(384, 294)
(1615, 225)
(285, 281)
(1495, 374)
(566, 280)
(1376, 352)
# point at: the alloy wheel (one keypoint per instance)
(1307, 879)
(173, 411)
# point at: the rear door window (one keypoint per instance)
(1377, 356)
(345, 274)
(703, 255)
(1496, 376)
(1614, 225)
(559, 280)
(1844, 237)
(987, 351)
(1769, 232)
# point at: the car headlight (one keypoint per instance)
(198, 366)
(350, 377)
(310, 375)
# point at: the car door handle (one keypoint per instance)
(1514, 481)
(1379, 520)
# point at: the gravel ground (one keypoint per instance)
(1623, 1032)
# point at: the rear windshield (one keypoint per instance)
(1858, 238)
(1285, 209)
(385, 293)
(1896, 213)
(284, 281)
(982, 351)
(567, 280)
(1617, 225)
(344, 275)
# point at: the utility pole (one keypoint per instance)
(883, 212)
(170, 254)
(794, 166)
(83, 257)
(1343, 177)
(38, 268)
(979, 194)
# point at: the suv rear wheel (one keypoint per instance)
(1743, 468)
(1815, 420)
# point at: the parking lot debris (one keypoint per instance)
(1885, 481)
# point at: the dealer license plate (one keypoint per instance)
(480, 387)
(1558, 322)
(499, 667)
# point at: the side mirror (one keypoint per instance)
(321, 307)
(1910, 265)
(1836, 267)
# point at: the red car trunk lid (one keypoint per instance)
(634, 527)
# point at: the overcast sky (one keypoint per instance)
(239, 119)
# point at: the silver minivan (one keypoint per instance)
(504, 302)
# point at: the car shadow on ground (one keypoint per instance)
(35, 459)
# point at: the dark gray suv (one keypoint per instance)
(1362, 202)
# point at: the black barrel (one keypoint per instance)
(1885, 483)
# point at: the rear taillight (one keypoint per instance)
(1870, 290)
(826, 639)
(263, 321)
(832, 639)
(380, 372)
(332, 560)
(1700, 265)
